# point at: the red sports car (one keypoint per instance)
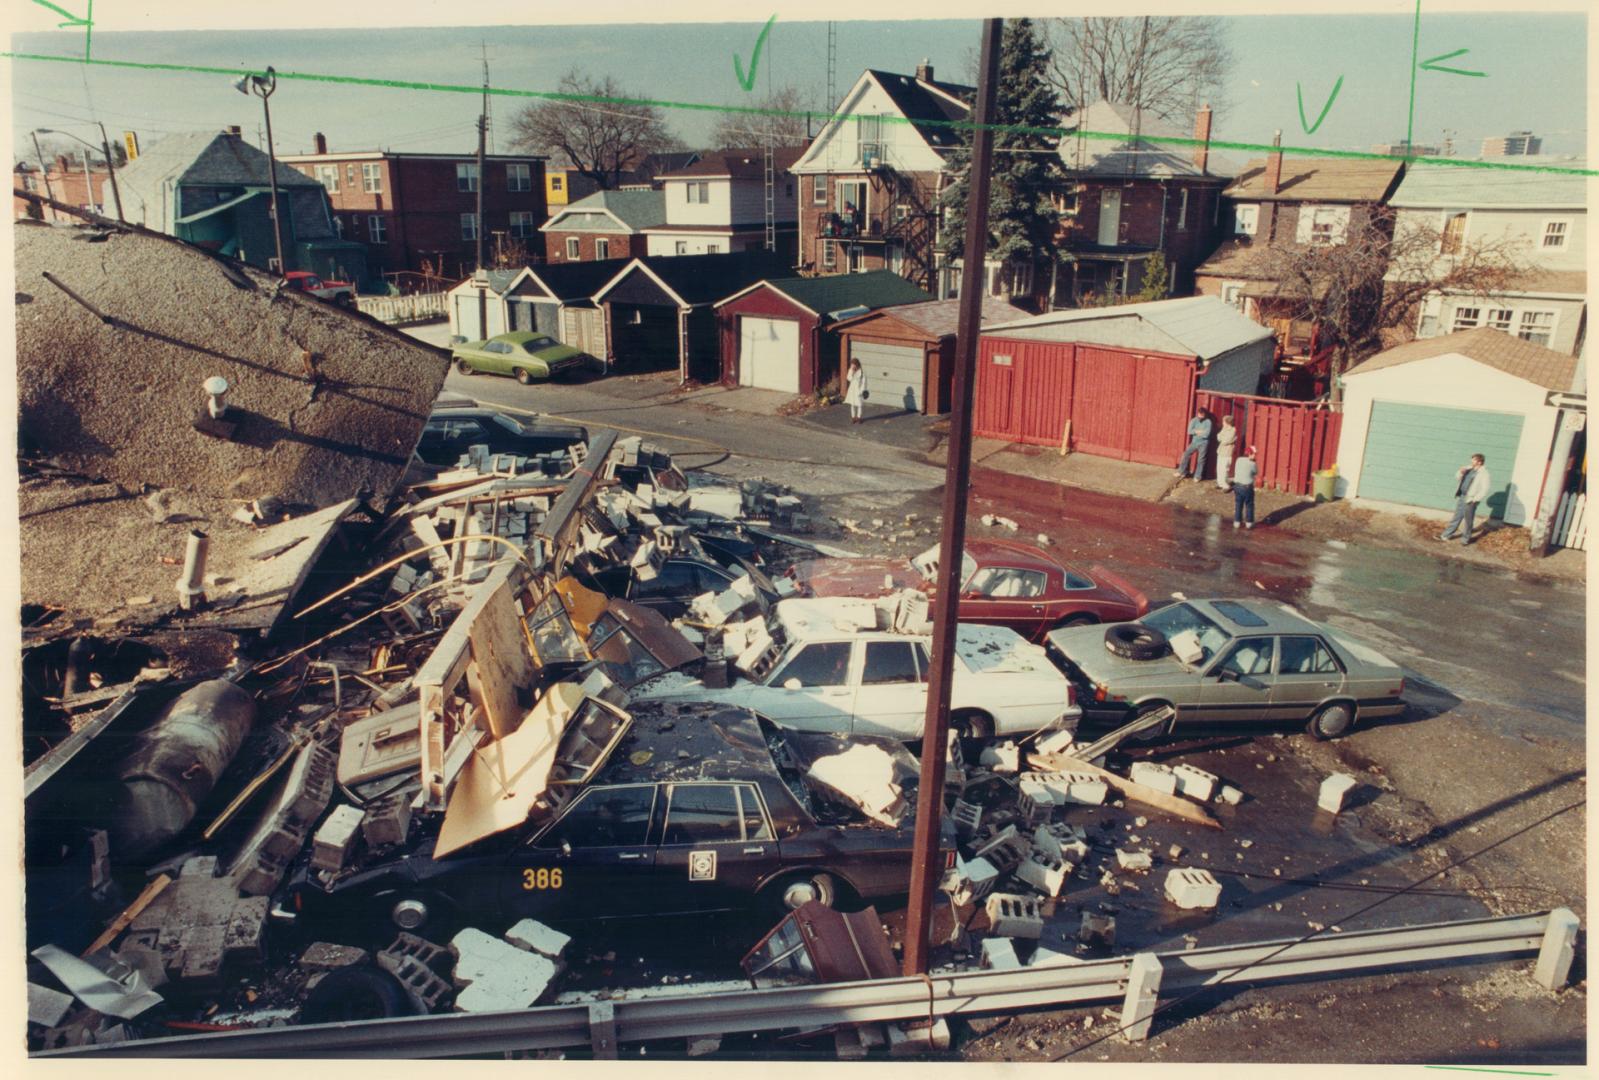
(1006, 584)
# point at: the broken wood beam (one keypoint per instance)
(1140, 793)
(131, 912)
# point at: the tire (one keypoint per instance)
(1154, 734)
(363, 992)
(463, 367)
(1331, 720)
(972, 724)
(345, 300)
(1135, 642)
(789, 893)
(523, 377)
(1082, 618)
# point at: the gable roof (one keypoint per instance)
(737, 164)
(216, 158)
(610, 211)
(1201, 326)
(840, 292)
(1460, 187)
(1319, 180)
(1143, 154)
(692, 280)
(941, 318)
(573, 280)
(1494, 348)
(927, 104)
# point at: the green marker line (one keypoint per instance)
(1415, 52)
(1507, 1072)
(753, 110)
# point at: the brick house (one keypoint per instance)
(604, 225)
(1130, 197)
(70, 184)
(719, 204)
(417, 213)
(869, 183)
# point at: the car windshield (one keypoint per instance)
(927, 565)
(506, 422)
(534, 344)
(623, 656)
(1177, 618)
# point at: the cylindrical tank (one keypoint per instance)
(175, 764)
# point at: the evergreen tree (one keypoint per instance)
(1155, 275)
(1022, 215)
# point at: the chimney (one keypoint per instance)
(1202, 137)
(1274, 164)
(233, 129)
(321, 143)
(924, 70)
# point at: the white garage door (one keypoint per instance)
(893, 373)
(584, 328)
(768, 352)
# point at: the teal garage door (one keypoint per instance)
(1413, 451)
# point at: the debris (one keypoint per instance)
(113, 989)
(1230, 795)
(1036, 801)
(978, 877)
(1045, 873)
(536, 937)
(1067, 843)
(999, 954)
(1012, 915)
(1335, 791)
(1153, 775)
(1001, 758)
(1194, 783)
(865, 775)
(1175, 852)
(327, 956)
(420, 966)
(1134, 860)
(1096, 929)
(47, 1007)
(282, 831)
(1192, 888)
(493, 976)
(1044, 540)
(702, 1045)
(1246, 843)
(911, 1039)
(966, 818)
(1056, 742)
(335, 840)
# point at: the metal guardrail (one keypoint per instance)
(603, 1025)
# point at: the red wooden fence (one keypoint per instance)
(1292, 439)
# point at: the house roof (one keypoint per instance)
(1495, 348)
(941, 318)
(929, 105)
(1199, 326)
(500, 281)
(1319, 180)
(1143, 154)
(737, 164)
(1236, 258)
(840, 292)
(216, 158)
(1461, 187)
(575, 280)
(692, 280)
(610, 211)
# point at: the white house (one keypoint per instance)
(718, 204)
(1542, 215)
(1416, 413)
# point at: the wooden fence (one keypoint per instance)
(1292, 439)
(1571, 522)
(417, 307)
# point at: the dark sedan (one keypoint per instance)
(450, 430)
(679, 580)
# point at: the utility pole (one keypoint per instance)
(111, 172)
(925, 865)
(482, 274)
(44, 171)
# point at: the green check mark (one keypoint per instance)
(755, 57)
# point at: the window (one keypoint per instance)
(1233, 293)
(602, 249)
(1325, 225)
(557, 183)
(1304, 656)
(377, 229)
(1500, 318)
(889, 662)
(572, 248)
(466, 176)
(518, 178)
(1466, 318)
(1182, 209)
(1075, 581)
(829, 254)
(522, 224)
(349, 173)
(702, 814)
(1066, 201)
(818, 191)
(1173, 620)
(852, 200)
(328, 177)
(680, 248)
(1537, 327)
(823, 664)
(372, 177)
(1554, 235)
(857, 259)
(869, 133)
(605, 817)
(712, 249)
(1246, 218)
(698, 191)
(901, 212)
(1454, 234)
(1250, 657)
(1002, 583)
(1237, 613)
(468, 226)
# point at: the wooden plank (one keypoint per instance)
(131, 912)
(499, 650)
(560, 524)
(1141, 793)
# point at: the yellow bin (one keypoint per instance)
(1324, 483)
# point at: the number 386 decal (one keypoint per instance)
(542, 878)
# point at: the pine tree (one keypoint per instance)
(1155, 274)
(1022, 216)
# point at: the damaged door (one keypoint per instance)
(891, 699)
(595, 861)
(813, 690)
(717, 846)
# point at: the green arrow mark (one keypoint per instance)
(1307, 125)
(1433, 65)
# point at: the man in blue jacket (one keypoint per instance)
(1198, 445)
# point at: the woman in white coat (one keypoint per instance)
(1226, 440)
(855, 390)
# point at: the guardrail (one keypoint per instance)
(417, 307)
(1136, 979)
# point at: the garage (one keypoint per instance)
(1412, 451)
(893, 372)
(583, 328)
(770, 351)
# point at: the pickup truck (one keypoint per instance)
(337, 292)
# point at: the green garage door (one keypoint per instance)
(1413, 451)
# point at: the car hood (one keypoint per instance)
(1085, 647)
(855, 577)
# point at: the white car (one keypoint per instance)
(834, 676)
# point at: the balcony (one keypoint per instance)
(849, 227)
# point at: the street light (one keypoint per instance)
(110, 165)
(262, 86)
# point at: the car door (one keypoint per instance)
(890, 698)
(1006, 596)
(596, 860)
(812, 690)
(1308, 673)
(1237, 686)
(716, 847)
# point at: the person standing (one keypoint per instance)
(1471, 487)
(1244, 472)
(1226, 438)
(855, 392)
(1198, 443)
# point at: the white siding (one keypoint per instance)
(679, 211)
(463, 307)
(837, 148)
(698, 243)
(1524, 229)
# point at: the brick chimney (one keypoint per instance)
(1274, 164)
(233, 129)
(924, 70)
(1202, 137)
(321, 143)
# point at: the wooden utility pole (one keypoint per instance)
(482, 274)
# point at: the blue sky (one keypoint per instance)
(1535, 65)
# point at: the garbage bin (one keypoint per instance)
(1324, 484)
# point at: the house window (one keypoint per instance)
(1325, 224)
(1500, 318)
(338, 226)
(1065, 201)
(377, 229)
(818, 191)
(468, 226)
(1554, 235)
(465, 176)
(901, 212)
(572, 249)
(852, 199)
(857, 259)
(829, 255)
(1182, 210)
(680, 248)
(712, 249)
(1232, 294)
(518, 178)
(349, 173)
(328, 176)
(699, 191)
(1454, 234)
(870, 135)
(522, 224)
(1466, 318)
(602, 249)
(372, 177)
(1537, 327)
(557, 183)
(1246, 218)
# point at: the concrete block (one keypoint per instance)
(911, 1039)
(1068, 843)
(494, 976)
(433, 956)
(536, 937)
(966, 816)
(334, 842)
(1230, 795)
(1036, 801)
(1559, 946)
(1195, 783)
(419, 965)
(999, 954)
(1083, 789)
(1013, 915)
(703, 1045)
(978, 878)
(388, 820)
(1193, 889)
(1134, 860)
(244, 937)
(202, 954)
(1045, 873)
(1154, 775)
(1143, 993)
(327, 956)
(1334, 790)
(1097, 929)
(1002, 758)
(1043, 957)
(281, 832)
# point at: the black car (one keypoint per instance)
(699, 808)
(678, 580)
(450, 430)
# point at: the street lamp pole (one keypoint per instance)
(44, 171)
(111, 171)
(262, 86)
(105, 148)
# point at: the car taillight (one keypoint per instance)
(1399, 692)
(299, 901)
(1099, 692)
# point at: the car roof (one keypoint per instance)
(803, 618)
(685, 742)
(533, 424)
(1275, 617)
(1011, 553)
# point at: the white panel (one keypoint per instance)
(768, 353)
(837, 149)
(894, 373)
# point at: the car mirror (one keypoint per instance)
(1227, 675)
(791, 684)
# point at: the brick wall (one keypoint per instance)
(916, 191)
(622, 246)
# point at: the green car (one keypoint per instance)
(524, 353)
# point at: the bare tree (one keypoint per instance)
(783, 119)
(1163, 64)
(595, 128)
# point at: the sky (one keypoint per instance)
(1535, 76)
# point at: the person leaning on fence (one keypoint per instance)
(1198, 443)
(1471, 487)
(1244, 472)
(1226, 439)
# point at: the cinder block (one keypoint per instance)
(1083, 789)
(999, 954)
(421, 982)
(1002, 758)
(966, 816)
(978, 878)
(1154, 775)
(1068, 843)
(1195, 783)
(1334, 790)
(1043, 957)
(1134, 860)
(536, 937)
(1036, 802)
(244, 938)
(1045, 873)
(1230, 795)
(1056, 742)
(1193, 889)
(434, 957)
(388, 820)
(1097, 929)
(1013, 915)
(335, 840)
(281, 832)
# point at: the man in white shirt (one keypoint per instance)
(1472, 484)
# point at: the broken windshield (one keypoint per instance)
(1178, 618)
(926, 564)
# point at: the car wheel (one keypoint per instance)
(422, 914)
(463, 367)
(1135, 642)
(792, 893)
(1082, 618)
(523, 377)
(1331, 721)
(1149, 735)
(345, 300)
(356, 993)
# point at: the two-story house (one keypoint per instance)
(416, 213)
(869, 182)
(1131, 194)
(604, 225)
(719, 204)
(82, 182)
(1538, 219)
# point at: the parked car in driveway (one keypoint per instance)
(452, 428)
(1229, 660)
(525, 354)
(337, 292)
(1004, 584)
(831, 675)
